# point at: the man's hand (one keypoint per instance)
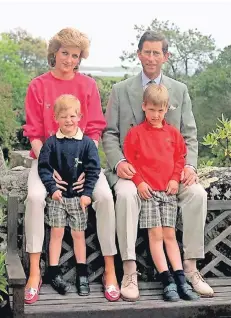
(57, 196)
(84, 202)
(125, 170)
(189, 176)
(59, 181)
(144, 190)
(78, 185)
(173, 187)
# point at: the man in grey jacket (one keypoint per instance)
(124, 111)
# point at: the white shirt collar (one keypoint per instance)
(145, 79)
(78, 135)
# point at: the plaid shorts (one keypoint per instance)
(68, 213)
(160, 210)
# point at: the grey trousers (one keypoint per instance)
(35, 202)
(193, 202)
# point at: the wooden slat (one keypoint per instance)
(14, 269)
(219, 205)
(12, 223)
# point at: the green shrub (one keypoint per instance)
(219, 142)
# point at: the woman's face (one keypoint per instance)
(67, 58)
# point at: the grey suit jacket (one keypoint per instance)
(124, 111)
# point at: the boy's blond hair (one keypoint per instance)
(65, 102)
(156, 95)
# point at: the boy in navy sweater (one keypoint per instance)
(70, 153)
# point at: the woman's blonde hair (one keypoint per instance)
(156, 95)
(65, 102)
(67, 37)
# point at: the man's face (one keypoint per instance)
(152, 58)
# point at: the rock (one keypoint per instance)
(20, 158)
(217, 182)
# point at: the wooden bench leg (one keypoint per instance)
(18, 302)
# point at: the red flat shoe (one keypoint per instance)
(111, 292)
(32, 294)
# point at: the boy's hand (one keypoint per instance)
(57, 195)
(84, 202)
(173, 187)
(144, 190)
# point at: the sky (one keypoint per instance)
(110, 24)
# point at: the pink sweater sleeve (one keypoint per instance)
(95, 118)
(34, 128)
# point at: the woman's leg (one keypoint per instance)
(103, 204)
(34, 223)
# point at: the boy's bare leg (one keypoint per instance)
(55, 245)
(79, 246)
(172, 248)
(155, 235)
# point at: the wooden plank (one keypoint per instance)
(214, 205)
(12, 223)
(14, 269)
(18, 302)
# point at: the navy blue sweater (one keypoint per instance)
(69, 157)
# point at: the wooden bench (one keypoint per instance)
(51, 304)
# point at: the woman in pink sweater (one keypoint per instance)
(65, 51)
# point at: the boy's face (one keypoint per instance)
(68, 121)
(154, 114)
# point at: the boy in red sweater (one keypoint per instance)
(157, 152)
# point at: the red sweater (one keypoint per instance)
(41, 95)
(157, 154)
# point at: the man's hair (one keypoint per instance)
(153, 36)
(156, 95)
(65, 102)
(67, 37)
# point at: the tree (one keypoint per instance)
(32, 51)
(190, 50)
(12, 73)
(8, 124)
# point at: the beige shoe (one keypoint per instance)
(129, 287)
(199, 284)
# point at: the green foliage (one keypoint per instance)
(8, 124)
(219, 141)
(12, 72)
(190, 50)
(105, 86)
(32, 51)
(3, 280)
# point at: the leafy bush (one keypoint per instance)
(219, 141)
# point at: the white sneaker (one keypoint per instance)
(199, 284)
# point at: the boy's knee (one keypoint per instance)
(57, 233)
(77, 235)
(155, 234)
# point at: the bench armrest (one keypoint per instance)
(14, 270)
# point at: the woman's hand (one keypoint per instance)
(59, 181)
(78, 185)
